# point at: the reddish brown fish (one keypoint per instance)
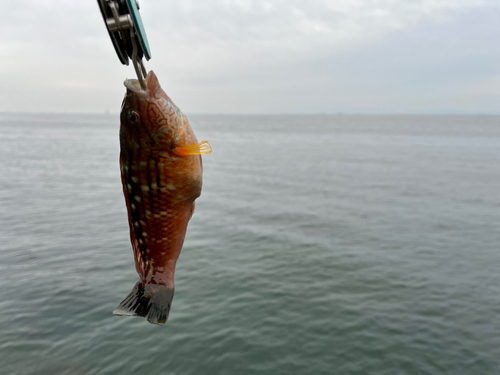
(162, 176)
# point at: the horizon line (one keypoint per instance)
(338, 113)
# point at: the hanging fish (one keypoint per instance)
(161, 172)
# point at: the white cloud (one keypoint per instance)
(255, 55)
(483, 87)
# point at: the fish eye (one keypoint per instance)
(133, 117)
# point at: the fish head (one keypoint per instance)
(149, 117)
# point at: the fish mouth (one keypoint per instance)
(135, 86)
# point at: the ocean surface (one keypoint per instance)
(320, 245)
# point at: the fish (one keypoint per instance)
(161, 171)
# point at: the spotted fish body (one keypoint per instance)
(161, 177)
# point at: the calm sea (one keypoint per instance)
(320, 245)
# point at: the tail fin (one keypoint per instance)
(151, 301)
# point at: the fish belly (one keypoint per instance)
(159, 208)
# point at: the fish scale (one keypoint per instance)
(152, 202)
(162, 176)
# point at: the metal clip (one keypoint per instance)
(124, 24)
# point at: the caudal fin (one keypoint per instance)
(151, 301)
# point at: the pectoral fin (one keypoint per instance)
(196, 149)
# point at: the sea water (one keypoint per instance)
(323, 244)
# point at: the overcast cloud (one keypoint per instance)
(275, 56)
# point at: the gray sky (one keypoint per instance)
(260, 56)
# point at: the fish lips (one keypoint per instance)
(152, 85)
